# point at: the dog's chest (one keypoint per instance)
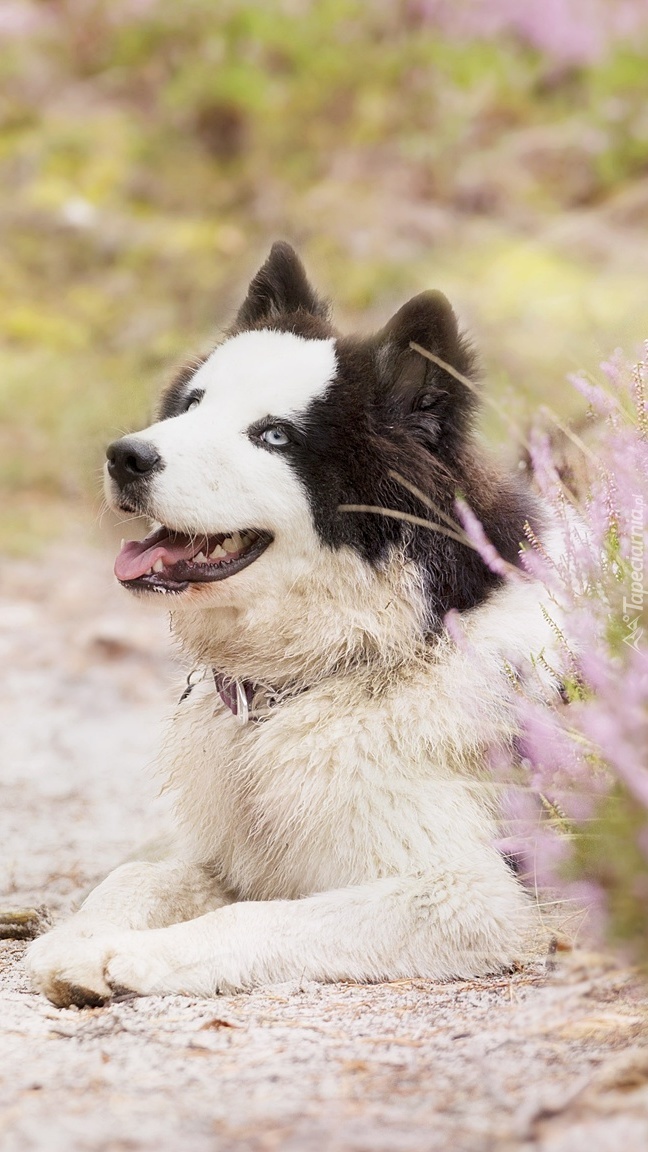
(316, 798)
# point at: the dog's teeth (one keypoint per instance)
(122, 544)
(218, 553)
(200, 558)
(229, 545)
(158, 566)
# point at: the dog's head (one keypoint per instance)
(260, 449)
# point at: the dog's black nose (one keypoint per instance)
(130, 459)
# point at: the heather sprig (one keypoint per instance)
(576, 804)
(590, 756)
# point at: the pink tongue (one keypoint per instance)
(137, 556)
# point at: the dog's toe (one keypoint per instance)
(137, 972)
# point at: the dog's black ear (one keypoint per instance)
(412, 383)
(279, 287)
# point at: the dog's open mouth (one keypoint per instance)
(169, 561)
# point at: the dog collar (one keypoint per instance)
(247, 701)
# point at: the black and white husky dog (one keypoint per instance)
(335, 815)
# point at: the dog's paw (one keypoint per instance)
(138, 965)
(70, 969)
(87, 971)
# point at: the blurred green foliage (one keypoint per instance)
(149, 151)
(609, 854)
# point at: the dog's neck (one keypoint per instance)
(322, 624)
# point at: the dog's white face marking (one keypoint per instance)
(264, 373)
(215, 478)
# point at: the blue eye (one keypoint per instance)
(193, 401)
(275, 436)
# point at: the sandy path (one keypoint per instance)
(543, 1060)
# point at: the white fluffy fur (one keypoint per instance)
(352, 834)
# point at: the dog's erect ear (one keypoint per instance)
(280, 286)
(412, 381)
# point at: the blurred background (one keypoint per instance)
(151, 150)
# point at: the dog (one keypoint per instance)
(336, 818)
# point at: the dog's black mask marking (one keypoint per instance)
(390, 410)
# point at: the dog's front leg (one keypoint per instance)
(67, 963)
(459, 924)
(152, 895)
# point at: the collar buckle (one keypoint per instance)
(242, 708)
